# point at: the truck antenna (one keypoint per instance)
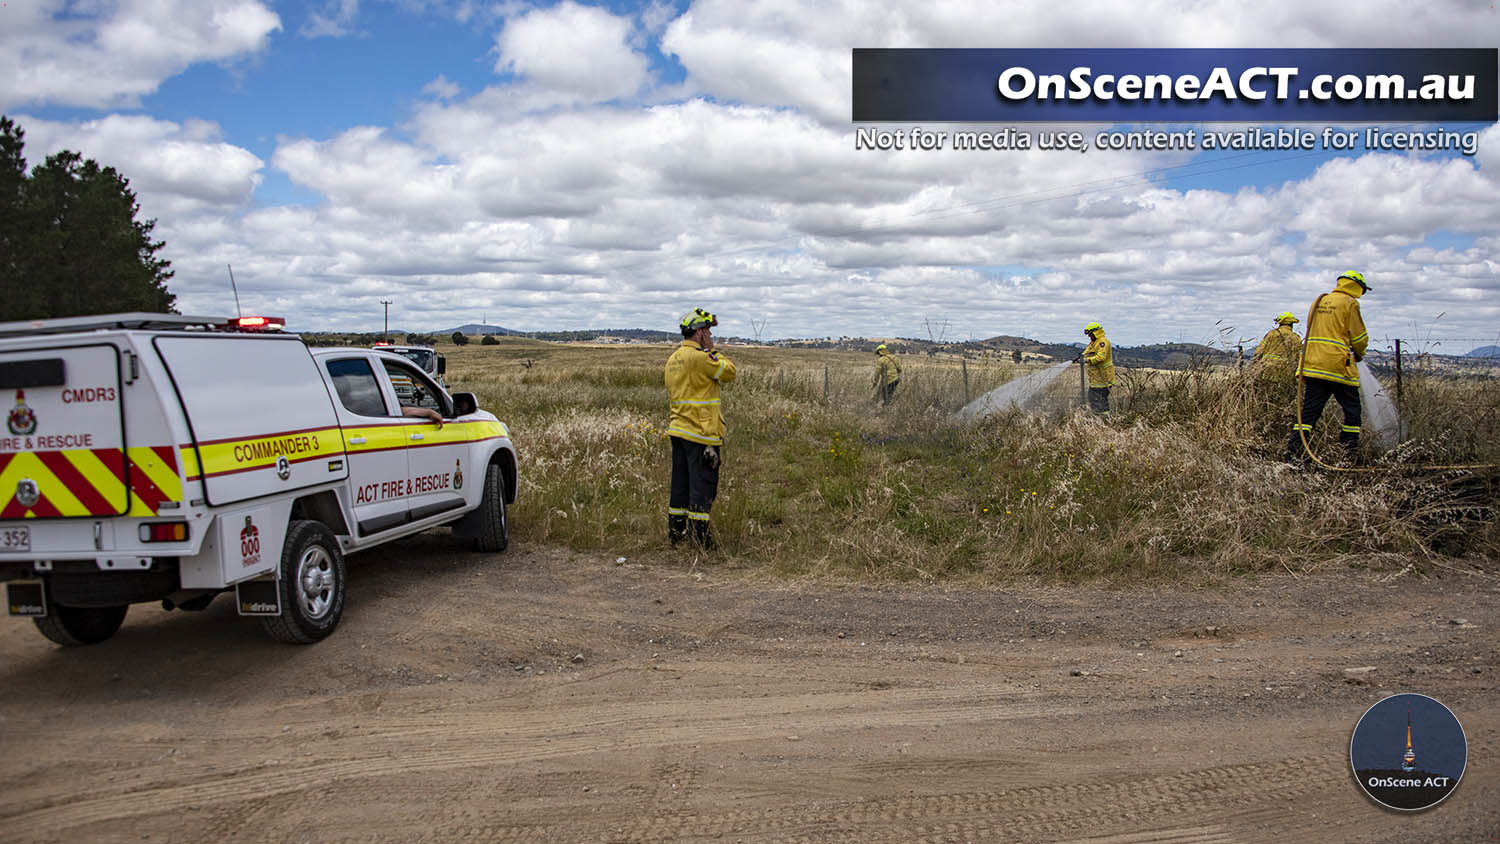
(237, 311)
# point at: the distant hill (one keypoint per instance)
(1172, 355)
(1485, 352)
(642, 334)
(478, 328)
(1155, 356)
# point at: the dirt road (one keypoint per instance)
(546, 696)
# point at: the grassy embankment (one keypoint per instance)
(819, 480)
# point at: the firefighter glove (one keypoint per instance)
(711, 457)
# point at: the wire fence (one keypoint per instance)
(1445, 390)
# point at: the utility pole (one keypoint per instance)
(386, 334)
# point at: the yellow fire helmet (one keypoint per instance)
(698, 318)
(1356, 277)
(880, 348)
(1286, 318)
(1093, 326)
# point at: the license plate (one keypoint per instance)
(15, 539)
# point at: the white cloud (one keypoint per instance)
(441, 88)
(581, 192)
(796, 52)
(176, 169)
(109, 54)
(334, 20)
(581, 53)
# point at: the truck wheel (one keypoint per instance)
(310, 585)
(81, 625)
(494, 531)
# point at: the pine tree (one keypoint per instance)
(71, 240)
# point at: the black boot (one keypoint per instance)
(676, 529)
(704, 535)
(1296, 450)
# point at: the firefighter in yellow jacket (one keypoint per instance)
(1277, 354)
(887, 373)
(694, 372)
(1100, 357)
(1336, 341)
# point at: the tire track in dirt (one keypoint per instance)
(1032, 813)
(963, 726)
(1053, 812)
(426, 745)
(443, 742)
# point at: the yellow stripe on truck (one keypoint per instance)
(239, 455)
(377, 437)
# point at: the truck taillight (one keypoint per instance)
(164, 532)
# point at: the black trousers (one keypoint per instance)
(888, 391)
(695, 485)
(1315, 394)
(1099, 399)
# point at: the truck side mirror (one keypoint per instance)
(442, 364)
(464, 404)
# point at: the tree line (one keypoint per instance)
(70, 243)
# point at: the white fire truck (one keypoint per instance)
(157, 457)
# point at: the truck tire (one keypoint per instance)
(310, 585)
(72, 626)
(494, 530)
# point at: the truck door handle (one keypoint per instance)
(417, 436)
(357, 440)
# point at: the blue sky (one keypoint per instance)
(572, 165)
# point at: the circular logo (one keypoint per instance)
(1408, 752)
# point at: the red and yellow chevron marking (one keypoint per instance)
(154, 478)
(91, 482)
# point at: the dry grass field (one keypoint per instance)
(1183, 484)
(1027, 628)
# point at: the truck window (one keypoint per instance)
(420, 357)
(357, 388)
(413, 388)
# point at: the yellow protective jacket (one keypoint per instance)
(1278, 352)
(1336, 335)
(693, 379)
(887, 370)
(1100, 357)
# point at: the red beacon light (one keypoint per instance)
(258, 323)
